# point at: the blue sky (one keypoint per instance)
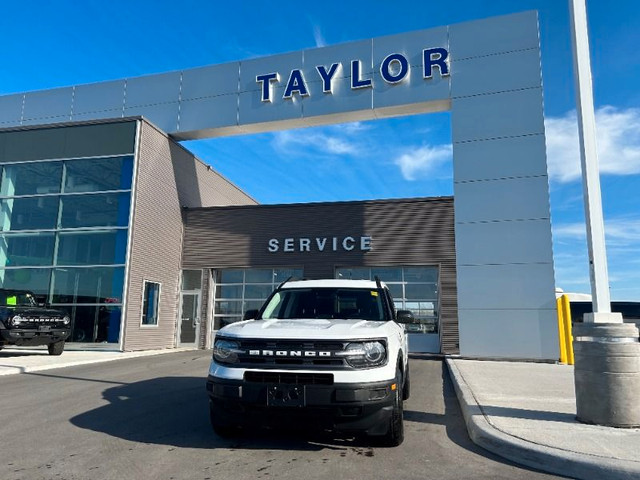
(59, 43)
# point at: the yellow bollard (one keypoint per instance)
(568, 335)
(561, 332)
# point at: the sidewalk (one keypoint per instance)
(22, 360)
(525, 412)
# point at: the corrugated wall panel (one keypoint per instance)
(156, 239)
(168, 178)
(201, 186)
(404, 232)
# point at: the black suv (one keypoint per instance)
(24, 322)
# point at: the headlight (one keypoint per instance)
(226, 351)
(16, 320)
(66, 320)
(365, 354)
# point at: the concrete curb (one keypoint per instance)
(541, 457)
(100, 357)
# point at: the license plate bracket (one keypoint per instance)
(44, 328)
(286, 396)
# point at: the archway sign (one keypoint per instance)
(486, 73)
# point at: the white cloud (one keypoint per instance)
(623, 230)
(620, 231)
(318, 37)
(421, 162)
(618, 133)
(307, 142)
(354, 127)
(569, 230)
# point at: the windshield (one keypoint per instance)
(365, 304)
(15, 298)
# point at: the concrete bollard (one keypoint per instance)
(607, 374)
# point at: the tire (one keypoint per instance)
(395, 434)
(223, 431)
(56, 348)
(406, 389)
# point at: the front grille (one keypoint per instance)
(35, 322)
(291, 353)
(291, 378)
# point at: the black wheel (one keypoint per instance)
(406, 389)
(56, 348)
(222, 430)
(395, 434)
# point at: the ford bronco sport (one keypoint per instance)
(323, 353)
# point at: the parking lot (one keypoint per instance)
(147, 417)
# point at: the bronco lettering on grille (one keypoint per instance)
(289, 353)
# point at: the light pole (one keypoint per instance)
(590, 172)
(607, 376)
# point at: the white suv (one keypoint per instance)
(330, 353)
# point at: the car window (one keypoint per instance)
(344, 303)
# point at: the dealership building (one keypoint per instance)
(107, 216)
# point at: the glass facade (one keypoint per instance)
(63, 235)
(412, 288)
(242, 289)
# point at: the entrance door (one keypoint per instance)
(189, 320)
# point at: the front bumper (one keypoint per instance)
(32, 337)
(356, 408)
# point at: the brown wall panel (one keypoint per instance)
(168, 179)
(403, 232)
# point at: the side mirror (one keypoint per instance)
(251, 314)
(405, 316)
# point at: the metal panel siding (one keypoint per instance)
(404, 232)
(501, 206)
(156, 241)
(201, 186)
(168, 178)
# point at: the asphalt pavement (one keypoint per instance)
(36, 359)
(147, 418)
(526, 412)
(521, 411)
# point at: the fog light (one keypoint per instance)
(378, 394)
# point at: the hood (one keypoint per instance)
(35, 312)
(316, 329)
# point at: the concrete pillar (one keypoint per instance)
(504, 256)
(607, 374)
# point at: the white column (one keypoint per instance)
(590, 171)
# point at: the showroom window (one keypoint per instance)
(150, 301)
(63, 235)
(31, 178)
(413, 288)
(242, 289)
(26, 249)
